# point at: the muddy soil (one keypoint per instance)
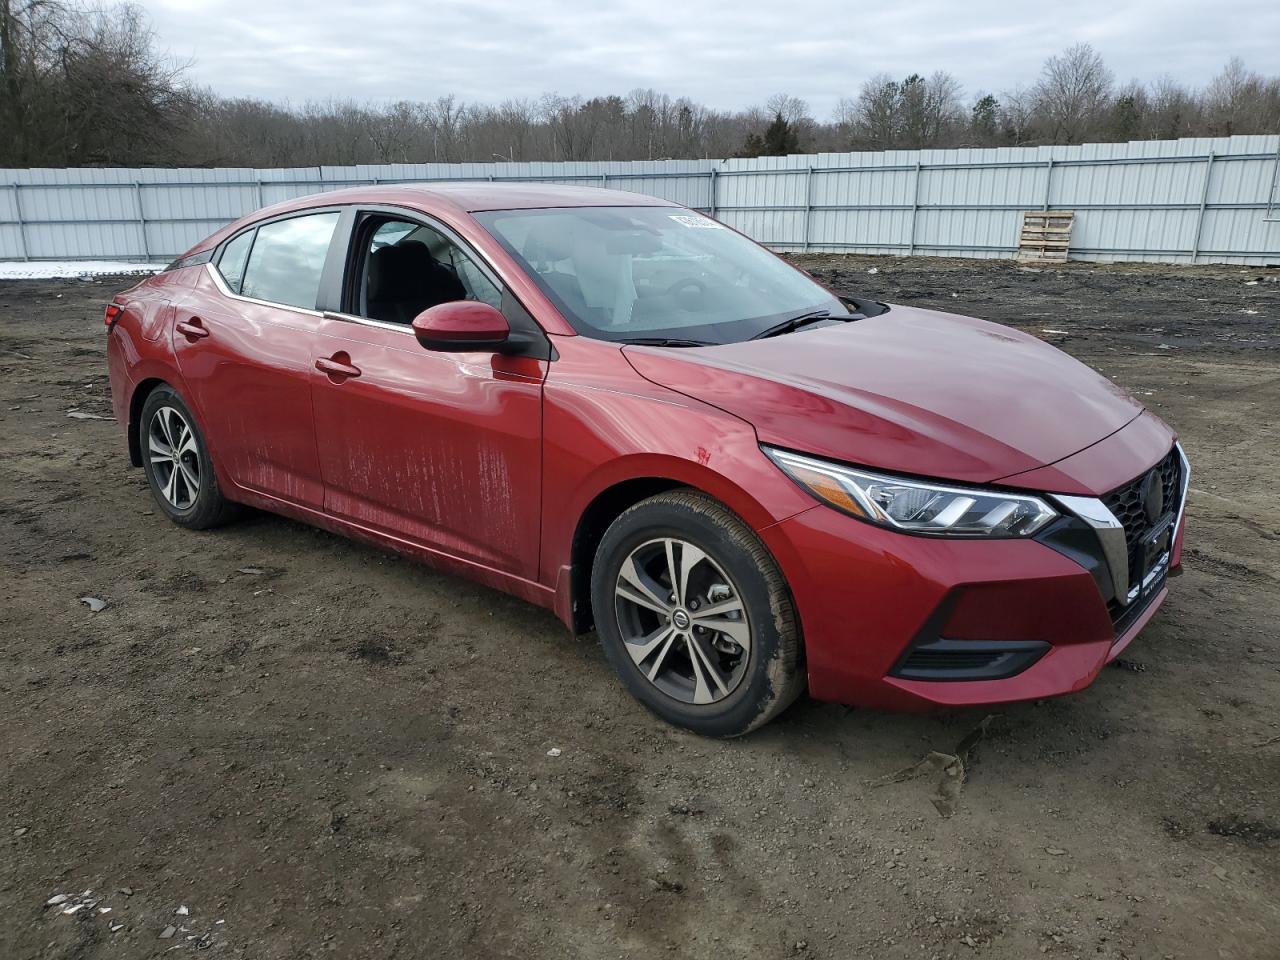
(274, 743)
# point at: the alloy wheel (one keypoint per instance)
(683, 621)
(174, 456)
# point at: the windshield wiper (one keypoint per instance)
(795, 323)
(666, 342)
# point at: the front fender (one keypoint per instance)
(604, 425)
(743, 461)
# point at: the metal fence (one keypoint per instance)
(1180, 201)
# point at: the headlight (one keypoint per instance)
(915, 506)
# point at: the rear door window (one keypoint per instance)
(287, 260)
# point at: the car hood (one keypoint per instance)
(915, 391)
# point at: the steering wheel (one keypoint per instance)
(687, 291)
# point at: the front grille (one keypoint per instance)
(1126, 502)
(1128, 505)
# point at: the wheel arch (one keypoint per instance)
(600, 512)
(612, 500)
(136, 402)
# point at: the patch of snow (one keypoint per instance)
(68, 269)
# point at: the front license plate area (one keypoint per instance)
(1153, 558)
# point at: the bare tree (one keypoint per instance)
(1073, 94)
(444, 120)
(929, 110)
(1172, 111)
(507, 131)
(1239, 100)
(791, 109)
(394, 131)
(845, 120)
(877, 121)
(915, 113)
(1018, 119)
(57, 103)
(83, 85)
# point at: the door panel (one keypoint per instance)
(440, 449)
(248, 368)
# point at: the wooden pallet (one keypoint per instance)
(1046, 235)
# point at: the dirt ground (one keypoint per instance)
(281, 744)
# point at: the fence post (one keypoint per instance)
(1048, 182)
(915, 206)
(22, 227)
(713, 173)
(808, 205)
(142, 220)
(1204, 199)
(1275, 182)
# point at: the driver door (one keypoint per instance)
(440, 450)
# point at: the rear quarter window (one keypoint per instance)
(233, 259)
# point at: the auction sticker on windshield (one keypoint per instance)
(702, 223)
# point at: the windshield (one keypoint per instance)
(654, 273)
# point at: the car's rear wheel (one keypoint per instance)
(176, 462)
(695, 617)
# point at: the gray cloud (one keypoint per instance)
(723, 54)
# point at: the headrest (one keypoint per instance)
(396, 272)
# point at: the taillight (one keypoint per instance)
(112, 315)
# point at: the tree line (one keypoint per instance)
(88, 86)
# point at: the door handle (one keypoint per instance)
(339, 367)
(193, 329)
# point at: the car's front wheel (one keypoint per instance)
(176, 461)
(695, 616)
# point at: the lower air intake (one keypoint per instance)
(969, 659)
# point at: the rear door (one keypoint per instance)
(443, 450)
(244, 337)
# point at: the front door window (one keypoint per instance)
(408, 267)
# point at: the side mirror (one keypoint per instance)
(461, 325)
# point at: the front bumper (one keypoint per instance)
(905, 622)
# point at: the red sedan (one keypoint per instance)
(620, 409)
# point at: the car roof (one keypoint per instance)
(472, 196)
(476, 195)
(458, 196)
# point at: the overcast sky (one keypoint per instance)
(723, 53)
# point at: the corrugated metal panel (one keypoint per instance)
(1164, 200)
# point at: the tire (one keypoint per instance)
(185, 488)
(722, 672)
